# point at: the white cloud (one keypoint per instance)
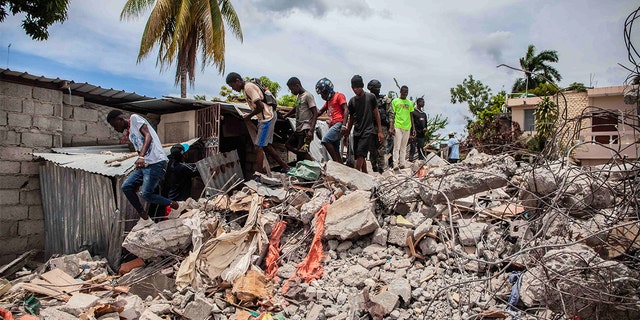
(428, 45)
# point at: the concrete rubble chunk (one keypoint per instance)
(71, 264)
(351, 216)
(428, 246)
(350, 177)
(470, 233)
(162, 238)
(423, 228)
(380, 236)
(133, 307)
(198, 309)
(148, 315)
(398, 235)
(315, 312)
(56, 313)
(402, 288)
(388, 301)
(309, 209)
(578, 272)
(80, 302)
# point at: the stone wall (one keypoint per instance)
(30, 121)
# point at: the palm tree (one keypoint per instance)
(181, 28)
(536, 69)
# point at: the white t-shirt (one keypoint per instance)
(154, 153)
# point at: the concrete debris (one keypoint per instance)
(351, 216)
(487, 237)
(349, 177)
(159, 240)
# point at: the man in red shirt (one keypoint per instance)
(336, 105)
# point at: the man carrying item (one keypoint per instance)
(363, 113)
(336, 107)
(454, 148)
(266, 119)
(402, 127)
(420, 122)
(306, 113)
(150, 165)
(386, 115)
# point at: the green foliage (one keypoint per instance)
(537, 69)
(273, 86)
(288, 100)
(434, 124)
(40, 14)
(577, 86)
(200, 97)
(493, 132)
(473, 92)
(544, 89)
(231, 96)
(546, 115)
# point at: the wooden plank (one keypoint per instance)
(62, 281)
(34, 287)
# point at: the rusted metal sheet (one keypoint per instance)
(220, 171)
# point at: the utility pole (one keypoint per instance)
(8, 52)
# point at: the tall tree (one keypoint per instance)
(40, 14)
(181, 28)
(473, 92)
(537, 69)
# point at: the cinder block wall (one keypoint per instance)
(30, 121)
(85, 123)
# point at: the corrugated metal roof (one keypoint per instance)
(93, 161)
(120, 99)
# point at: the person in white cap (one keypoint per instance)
(454, 148)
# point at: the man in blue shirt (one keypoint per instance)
(454, 148)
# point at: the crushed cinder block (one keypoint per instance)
(386, 300)
(470, 233)
(380, 236)
(80, 302)
(133, 307)
(160, 239)
(398, 235)
(308, 210)
(402, 288)
(198, 309)
(351, 216)
(350, 177)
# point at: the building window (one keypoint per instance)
(529, 120)
(605, 121)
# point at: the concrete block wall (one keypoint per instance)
(576, 103)
(85, 124)
(30, 121)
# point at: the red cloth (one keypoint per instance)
(311, 268)
(274, 249)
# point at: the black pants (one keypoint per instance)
(417, 145)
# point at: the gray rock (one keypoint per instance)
(380, 236)
(55, 313)
(402, 288)
(423, 228)
(350, 177)
(470, 233)
(388, 301)
(198, 309)
(160, 239)
(398, 235)
(416, 218)
(351, 216)
(309, 209)
(316, 312)
(428, 246)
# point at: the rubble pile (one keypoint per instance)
(486, 238)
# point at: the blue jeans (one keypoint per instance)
(147, 177)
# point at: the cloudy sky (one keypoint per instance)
(428, 45)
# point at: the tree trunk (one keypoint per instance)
(183, 82)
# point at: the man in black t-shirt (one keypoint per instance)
(420, 123)
(363, 111)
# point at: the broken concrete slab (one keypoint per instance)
(308, 210)
(386, 300)
(162, 238)
(198, 309)
(351, 216)
(71, 264)
(398, 235)
(400, 287)
(470, 233)
(133, 307)
(80, 302)
(350, 177)
(380, 236)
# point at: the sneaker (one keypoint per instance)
(175, 213)
(142, 223)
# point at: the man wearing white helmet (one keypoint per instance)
(454, 148)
